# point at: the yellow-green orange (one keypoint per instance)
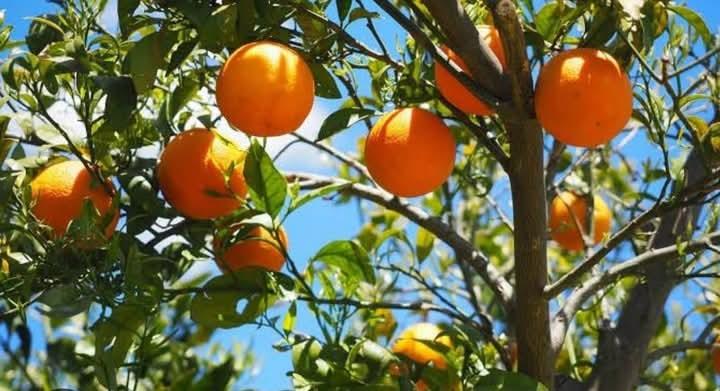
(568, 211)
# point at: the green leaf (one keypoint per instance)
(5, 144)
(181, 96)
(63, 301)
(498, 380)
(548, 20)
(113, 339)
(121, 99)
(220, 29)
(424, 243)
(290, 318)
(43, 31)
(181, 53)
(341, 120)
(5, 37)
(317, 193)
(125, 9)
(343, 8)
(361, 13)
(217, 378)
(696, 21)
(325, 86)
(216, 306)
(146, 57)
(268, 187)
(349, 257)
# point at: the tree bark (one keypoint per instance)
(527, 182)
(622, 350)
(514, 86)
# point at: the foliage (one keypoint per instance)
(129, 315)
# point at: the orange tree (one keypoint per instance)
(631, 86)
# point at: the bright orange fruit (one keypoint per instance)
(408, 344)
(60, 190)
(410, 152)
(583, 97)
(194, 178)
(265, 89)
(453, 90)
(259, 249)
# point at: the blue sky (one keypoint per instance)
(317, 223)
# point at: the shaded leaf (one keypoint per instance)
(349, 257)
(325, 86)
(121, 99)
(341, 120)
(216, 306)
(313, 194)
(146, 57)
(268, 187)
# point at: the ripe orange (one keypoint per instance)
(192, 173)
(408, 344)
(410, 152)
(265, 89)
(453, 90)
(567, 211)
(583, 97)
(59, 192)
(258, 248)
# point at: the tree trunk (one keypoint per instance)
(622, 350)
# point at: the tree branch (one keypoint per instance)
(622, 350)
(658, 209)
(565, 315)
(465, 40)
(463, 248)
(487, 87)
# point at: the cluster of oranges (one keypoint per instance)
(265, 89)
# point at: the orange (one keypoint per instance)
(453, 90)
(569, 210)
(258, 248)
(409, 344)
(60, 191)
(410, 152)
(192, 172)
(583, 97)
(265, 89)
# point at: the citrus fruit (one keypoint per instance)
(201, 174)
(265, 89)
(410, 152)
(583, 97)
(409, 344)
(59, 192)
(568, 211)
(453, 90)
(258, 248)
